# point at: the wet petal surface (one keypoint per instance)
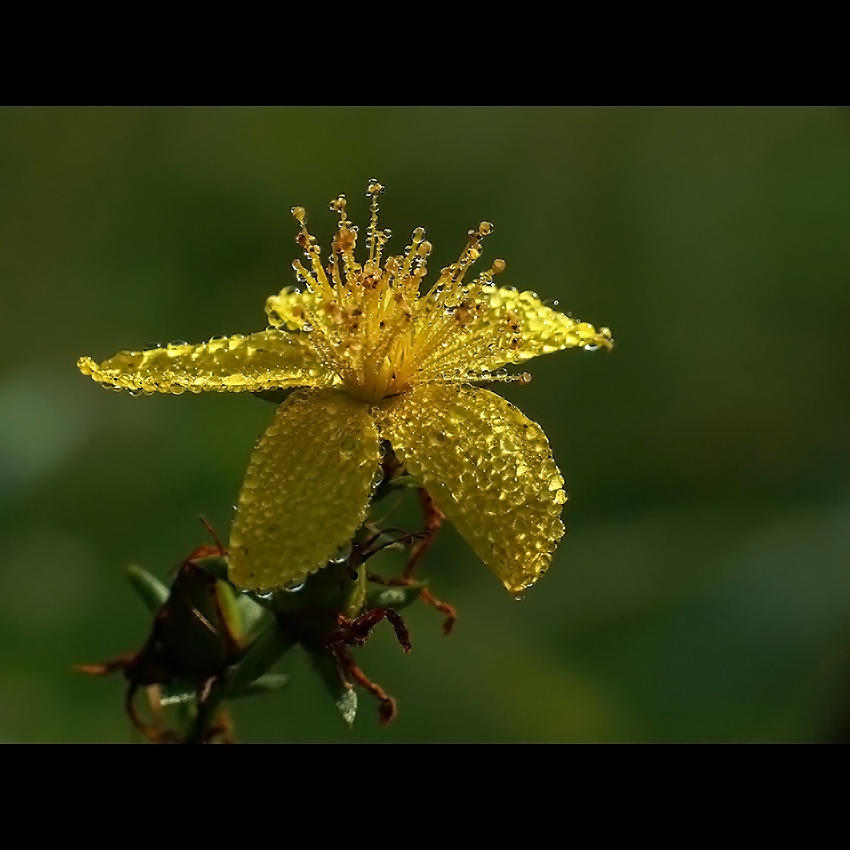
(306, 490)
(490, 470)
(261, 361)
(504, 327)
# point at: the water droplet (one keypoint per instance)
(555, 302)
(378, 477)
(342, 556)
(518, 597)
(176, 342)
(590, 347)
(150, 346)
(306, 327)
(292, 587)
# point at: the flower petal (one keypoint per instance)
(489, 469)
(306, 490)
(506, 326)
(261, 361)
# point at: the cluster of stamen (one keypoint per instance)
(369, 323)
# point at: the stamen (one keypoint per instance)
(344, 244)
(373, 236)
(338, 206)
(413, 251)
(378, 333)
(472, 251)
(313, 252)
(486, 278)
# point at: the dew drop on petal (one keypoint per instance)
(342, 555)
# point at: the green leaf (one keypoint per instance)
(263, 653)
(215, 565)
(252, 613)
(150, 589)
(342, 693)
(267, 683)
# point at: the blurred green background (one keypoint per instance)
(702, 592)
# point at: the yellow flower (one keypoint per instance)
(375, 359)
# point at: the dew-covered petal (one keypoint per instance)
(306, 490)
(260, 361)
(489, 469)
(502, 326)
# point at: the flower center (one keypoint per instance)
(369, 324)
(382, 376)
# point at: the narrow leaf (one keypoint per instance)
(264, 652)
(343, 694)
(266, 684)
(150, 589)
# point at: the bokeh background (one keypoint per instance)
(702, 592)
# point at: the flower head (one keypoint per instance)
(376, 355)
